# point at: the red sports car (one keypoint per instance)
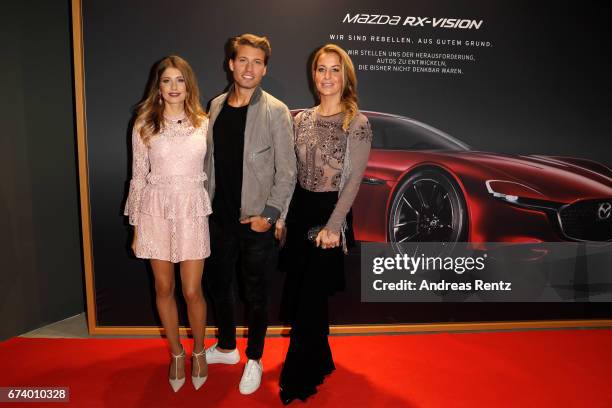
(423, 185)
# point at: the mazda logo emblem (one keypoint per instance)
(604, 211)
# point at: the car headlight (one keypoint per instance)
(519, 194)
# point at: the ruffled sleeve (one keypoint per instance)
(359, 141)
(140, 170)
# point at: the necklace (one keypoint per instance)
(317, 111)
(174, 120)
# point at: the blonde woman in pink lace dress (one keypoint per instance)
(168, 205)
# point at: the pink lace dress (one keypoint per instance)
(167, 203)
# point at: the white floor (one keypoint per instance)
(74, 327)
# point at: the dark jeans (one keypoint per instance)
(252, 252)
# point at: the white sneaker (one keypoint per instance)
(214, 356)
(251, 377)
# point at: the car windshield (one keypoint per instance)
(398, 133)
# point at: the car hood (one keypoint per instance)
(558, 179)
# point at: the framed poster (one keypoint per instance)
(513, 91)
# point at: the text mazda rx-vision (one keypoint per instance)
(423, 185)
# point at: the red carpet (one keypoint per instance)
(570, 368)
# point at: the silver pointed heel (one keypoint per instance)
(198, 381)
(177, 383)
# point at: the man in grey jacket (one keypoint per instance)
(250, 163)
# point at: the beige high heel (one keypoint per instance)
(177, 383)
(198, 381)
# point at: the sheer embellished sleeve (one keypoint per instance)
(140, 170)
(358, 149)
(296, 120)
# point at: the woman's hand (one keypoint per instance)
(327, 239)
(280, 232)
(133, 246)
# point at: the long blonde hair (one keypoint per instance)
(150, 112)
(349, 82)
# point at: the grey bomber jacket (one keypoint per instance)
(269, 163)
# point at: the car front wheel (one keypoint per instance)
(428, 206)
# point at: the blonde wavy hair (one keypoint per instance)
(150, 112)
(349, 82)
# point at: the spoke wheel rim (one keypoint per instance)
(424, 212)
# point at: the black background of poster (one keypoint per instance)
(542, 88)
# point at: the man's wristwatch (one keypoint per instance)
(268, 220)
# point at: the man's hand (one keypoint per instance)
(327, 239)
(258, 223)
